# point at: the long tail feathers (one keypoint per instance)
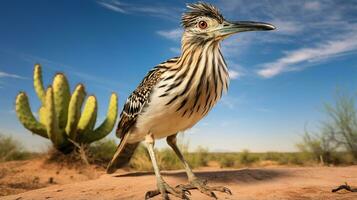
(122, 155)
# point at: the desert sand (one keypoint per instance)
(270, 183)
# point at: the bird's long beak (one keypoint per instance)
(230, 28)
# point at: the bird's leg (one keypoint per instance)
(194, 182)
(163, 187)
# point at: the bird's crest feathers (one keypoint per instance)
(200, 9)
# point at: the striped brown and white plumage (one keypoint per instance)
(175, 94)
(186, 90)
(178, 93)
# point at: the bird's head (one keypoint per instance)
(203, 22)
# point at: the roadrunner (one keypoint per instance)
(178, 93)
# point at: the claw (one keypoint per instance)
(187, 191)
(153, 193)
(227, 190)
(213, 195)
(165, 189)
(201, 185)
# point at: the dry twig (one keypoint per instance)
(346, 187)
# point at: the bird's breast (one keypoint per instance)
(184, 95)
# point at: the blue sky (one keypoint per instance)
(279, 79)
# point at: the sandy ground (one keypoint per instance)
(270, 183)
(21, 176)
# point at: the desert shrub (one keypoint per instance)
(141, 160)
(227, 160)
(273, 156)
(102, 151)
(99, 153)
(11, 149)
(341, 124)
(320, 147)
(294, 158)
(337, 133)
(346, 158)
(246, 158)
(70, 160)
(167, 159)
(199, 158)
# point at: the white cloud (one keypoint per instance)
(112, 6)
(232, 102)
(235, 71)
(297, 24)
(310, 55)
(312, 5)
(233, 74)
(287, 27)
(157, 10)
(8, 75)
(175, 50)
(229, 102)
(236, 45)
(174, 34)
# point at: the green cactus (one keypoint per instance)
(60, 117)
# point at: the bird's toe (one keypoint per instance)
(201, 185)
(164, 189)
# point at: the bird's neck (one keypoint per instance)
(206, 59)
(201, 76)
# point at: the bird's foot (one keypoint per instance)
(201, 185)
(164, 189)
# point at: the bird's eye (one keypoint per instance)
(202, 24)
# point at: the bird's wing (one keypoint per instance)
(137, 101)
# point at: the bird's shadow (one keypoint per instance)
(239, 175)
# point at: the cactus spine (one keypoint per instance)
(61, 118)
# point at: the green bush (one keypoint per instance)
(102, 151)
(337, 133)
(167, 159)
(141, 160)
(247, 158)
(11, 149)
(227, 159)
(199, 158)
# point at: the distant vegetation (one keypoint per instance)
(202, 158)
(101, 152)
(11, 149)
(168, 160)
(336, 140)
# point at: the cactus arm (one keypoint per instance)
(61, 96)
(53, 131)
(94, 120)
(88, 117)
(42, 115)
(26, 117)
(108, 124)
(38, 84)
(74, 111)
